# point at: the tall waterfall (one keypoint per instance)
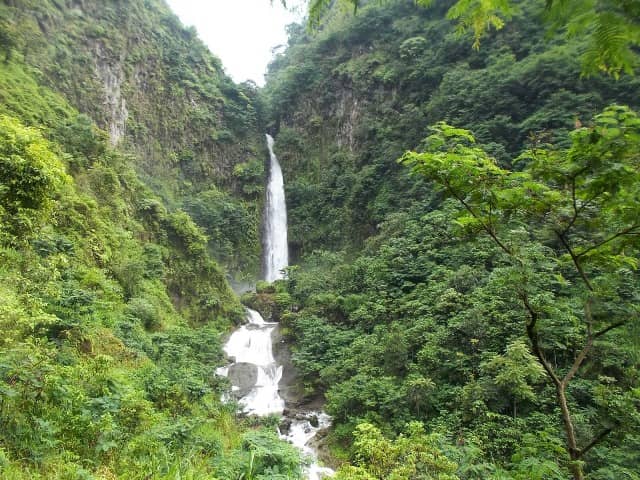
(276, 250)
(253, 371)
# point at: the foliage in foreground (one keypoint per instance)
(504, 319)
(112, 314)
(578, 208)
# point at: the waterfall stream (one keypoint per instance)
(254, 373)
(276, 247)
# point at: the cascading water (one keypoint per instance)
(254, 373)
(276, 247)
(300, 434)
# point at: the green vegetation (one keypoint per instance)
(469, 311)
(113, 307)
(406, 457)
(351, 99)
(611, 27)
(511, 331)
(30, 175)
(161, 96)
(474, 316)
(583, 202)
(112, 315)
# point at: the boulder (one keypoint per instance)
(243, 376)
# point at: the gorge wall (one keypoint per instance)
(162, 97)
(351, 98)
(415, 326)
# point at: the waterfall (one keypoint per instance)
(253, 372)
(276, 250)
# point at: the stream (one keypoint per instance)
(255, 378)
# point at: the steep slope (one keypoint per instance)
(431, 325)
(112, 306)
(349, 100)
(161, 96)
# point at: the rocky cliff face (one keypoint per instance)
(149, 82)
(349, 100)
(112, 77)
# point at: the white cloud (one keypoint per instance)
(241, 32)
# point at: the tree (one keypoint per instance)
(411, 456)
(514, 372)
(611, 27)
(7, 42)
(568, 224)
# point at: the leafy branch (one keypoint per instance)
(597, 180)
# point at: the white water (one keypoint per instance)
(276, 249)
(252, 344)
(300, 433)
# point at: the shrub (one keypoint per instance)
(30, 176)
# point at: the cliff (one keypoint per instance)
(349, 100)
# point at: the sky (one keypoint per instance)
(242, 33)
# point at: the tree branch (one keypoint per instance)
(574, 201)
(486, 228)
(589, 345)
(578, 361)
(575, 259)
(597, 439)
(535, 340)
(626, 231)
(609, 328)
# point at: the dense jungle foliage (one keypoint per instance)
(475, 315)
(112, 305)
(464, 224)
(349, 100)
(161, 96)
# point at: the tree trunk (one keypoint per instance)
(574, 451)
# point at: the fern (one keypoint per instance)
(610, 47)
(480, 16)
(318, 9)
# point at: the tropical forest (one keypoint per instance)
(411, 254)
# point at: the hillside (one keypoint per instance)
(472, 308)
(351, 99)
(131, 172)
(162, 97)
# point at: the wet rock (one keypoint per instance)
(314, 421)
(285, 426)
(243, 376)
(264, 303)
(290, 385)
(320, 444)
